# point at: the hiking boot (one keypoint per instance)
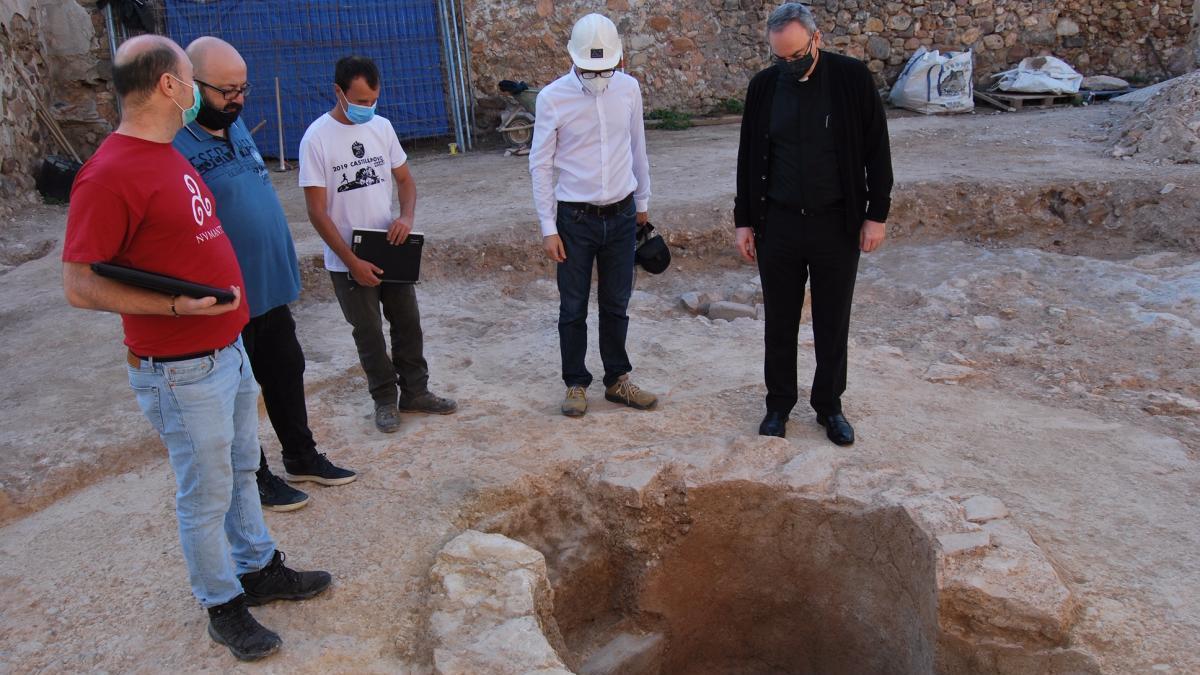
(278, 582)
(627, 393)
(318, 469)
(427, 402)
(387, 418)
(575, 402)
(276, 495)
(232, 625)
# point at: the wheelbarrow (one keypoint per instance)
(516, 122)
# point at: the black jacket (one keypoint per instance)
(860, 127)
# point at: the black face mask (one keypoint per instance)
(211, 118)
(798, 68)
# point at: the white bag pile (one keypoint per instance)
(933, 83)
(1040, 75)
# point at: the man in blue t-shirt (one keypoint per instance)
(221, 149)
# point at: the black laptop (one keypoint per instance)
(161, 283)
(400, 264)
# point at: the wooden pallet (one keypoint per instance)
(1015, 102)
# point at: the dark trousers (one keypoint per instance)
(406, 367)
(607, 242)
(792, 249)
(278, 364)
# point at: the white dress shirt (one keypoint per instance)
(597, 143)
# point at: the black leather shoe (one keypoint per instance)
(774, 424)
(837, 428)
(277, 581)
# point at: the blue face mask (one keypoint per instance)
(359, 114)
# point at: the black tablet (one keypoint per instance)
(401, 264)
(161, 283)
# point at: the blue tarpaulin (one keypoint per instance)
(299, 42)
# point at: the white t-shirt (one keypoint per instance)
(354, 163)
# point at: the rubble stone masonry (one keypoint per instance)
(60, 48)
(692, 54)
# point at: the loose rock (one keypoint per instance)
(730, 311)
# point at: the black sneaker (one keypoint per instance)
(232, 625)
(318, 469)
(276, 495)
(278, 582)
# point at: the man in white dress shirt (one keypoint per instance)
(589, 129)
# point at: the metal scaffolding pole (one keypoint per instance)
(464, 94)
(451, 72)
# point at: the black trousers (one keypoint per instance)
(792, 250)
(278, 364)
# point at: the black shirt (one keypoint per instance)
(859, 128)
(803, 169)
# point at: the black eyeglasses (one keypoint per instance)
(228, 94)
(593, 74)
(775, 58)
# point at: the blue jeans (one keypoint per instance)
(205, 411)
(608, 242)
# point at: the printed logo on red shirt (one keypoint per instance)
(201, 206)
(201, 210)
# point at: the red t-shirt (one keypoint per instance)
(141, 204)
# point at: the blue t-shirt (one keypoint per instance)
(249, 210)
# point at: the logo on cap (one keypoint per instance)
(597, 53)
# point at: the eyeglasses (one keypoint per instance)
(228, 94)
(593, 74)
(775, 58)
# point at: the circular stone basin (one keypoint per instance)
(740, 577)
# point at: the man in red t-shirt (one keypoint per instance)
(139, 203)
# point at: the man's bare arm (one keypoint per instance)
(87, 290)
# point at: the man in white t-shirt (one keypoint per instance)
(349, 160)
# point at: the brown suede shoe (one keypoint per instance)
(627, 393)
(575, 402)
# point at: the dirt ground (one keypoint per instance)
(1030, 332)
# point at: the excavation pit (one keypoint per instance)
(746, 577)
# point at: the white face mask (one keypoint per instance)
(596, 85)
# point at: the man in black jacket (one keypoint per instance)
(814, 183)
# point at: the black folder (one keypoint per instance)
(161, 283)
(400, 264)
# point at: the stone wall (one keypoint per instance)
(692, 54)
(60, 48)
(21, 137)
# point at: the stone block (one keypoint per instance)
(730, 310)
(981, 509)
(696, 302)
(962, 543)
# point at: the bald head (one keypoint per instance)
(141, 62)
(211, 56)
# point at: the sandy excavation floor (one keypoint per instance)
(1052, 364)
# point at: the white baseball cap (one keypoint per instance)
(595, 44)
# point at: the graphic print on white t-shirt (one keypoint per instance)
(354, 163)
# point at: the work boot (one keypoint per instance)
(317, 469)
(627, 393)
(276, 495)
(232, 625)
(427, 402)
(387, 418)
(276, 581)
(575, 402)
